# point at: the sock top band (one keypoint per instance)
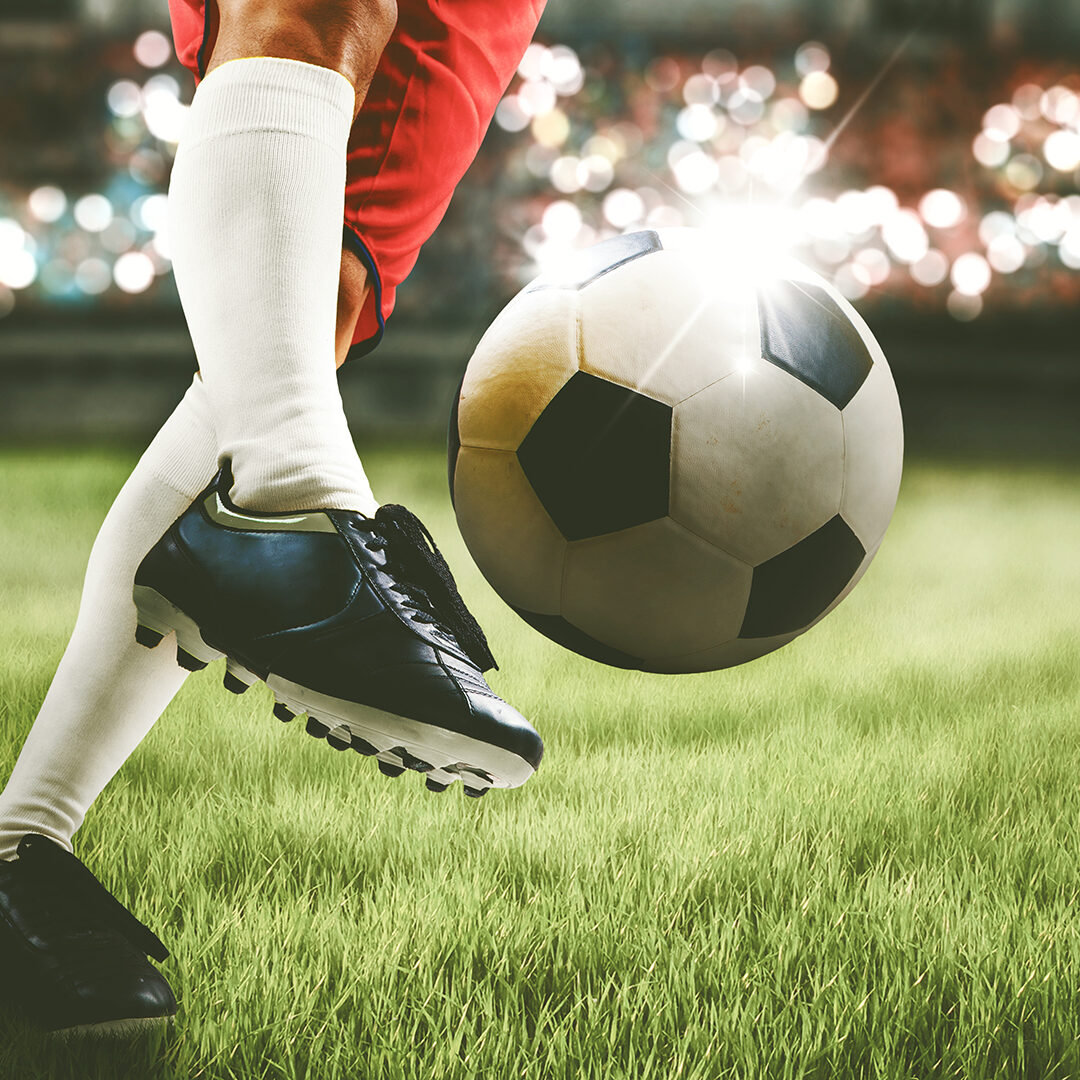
(270, 93)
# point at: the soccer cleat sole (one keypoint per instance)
(113, 1029)
(398, 743)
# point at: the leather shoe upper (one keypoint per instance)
(358, 608)
(70, 953)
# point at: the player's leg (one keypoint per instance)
(105, 696)
(350, 615)
(256, 201)
(88, 966)
(353, 291)
(107, 693)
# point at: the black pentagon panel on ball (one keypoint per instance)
(590, 263)
(598, 457)
(790, 590)
(570, 637)
(804, 332)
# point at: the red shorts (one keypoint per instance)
(435, 90)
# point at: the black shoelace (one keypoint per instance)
(426, 581)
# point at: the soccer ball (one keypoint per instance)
(667, 457)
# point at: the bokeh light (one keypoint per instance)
(1006, 254)
(964, 307)
(697, 122)
(812, 57)
(1024, 172)
(701, 90)
(1001, 122)
(1062, 150)
(118, 235)
(163, 113)
(932, 269)
(152, 49)
(18, 268)
(871, 266)
(133, 272)
(93, 276)
(818, 90)
(1027, 101)
(623, 208)
(989, 151)
(93, 213)
(694, 170)
(905, 236)
(1060, 105)
(551, 128)
(151, 212)
(971, 274)
(565, 174)
(586, 148)
(564, 71)
(124, 98)
(534, 61)
(942, 209)
(537, 97)
(509, 114)
(561, 220)
(47, 203)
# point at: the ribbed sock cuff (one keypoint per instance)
(269, 93)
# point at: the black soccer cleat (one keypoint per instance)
(355, 621)
(72, 957)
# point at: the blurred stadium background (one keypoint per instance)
(926, 157)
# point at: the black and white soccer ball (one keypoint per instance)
(664, 459)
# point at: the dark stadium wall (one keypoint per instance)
(1042, 22)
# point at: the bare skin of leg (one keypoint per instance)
(347, 36)
(353, 288)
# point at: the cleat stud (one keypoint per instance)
(283, 712)
(147, 637)
(362, 746)
(390, 770)
(187, 661)
(315, 728)
(434, 785)
(337, 742)
(233, 684)
(476, 793)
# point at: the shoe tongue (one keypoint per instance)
(63, 871)
(414, 550)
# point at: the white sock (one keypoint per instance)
(256, 203)
(108, 691)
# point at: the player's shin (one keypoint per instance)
(107, 692)
(256, 200)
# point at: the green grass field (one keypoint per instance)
(857, 857)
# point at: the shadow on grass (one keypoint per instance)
(27, 1053)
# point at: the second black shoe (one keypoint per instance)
(72, 957)
(355, 621)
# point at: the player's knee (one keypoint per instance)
(346, 35)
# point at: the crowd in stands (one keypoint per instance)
(924, 178)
